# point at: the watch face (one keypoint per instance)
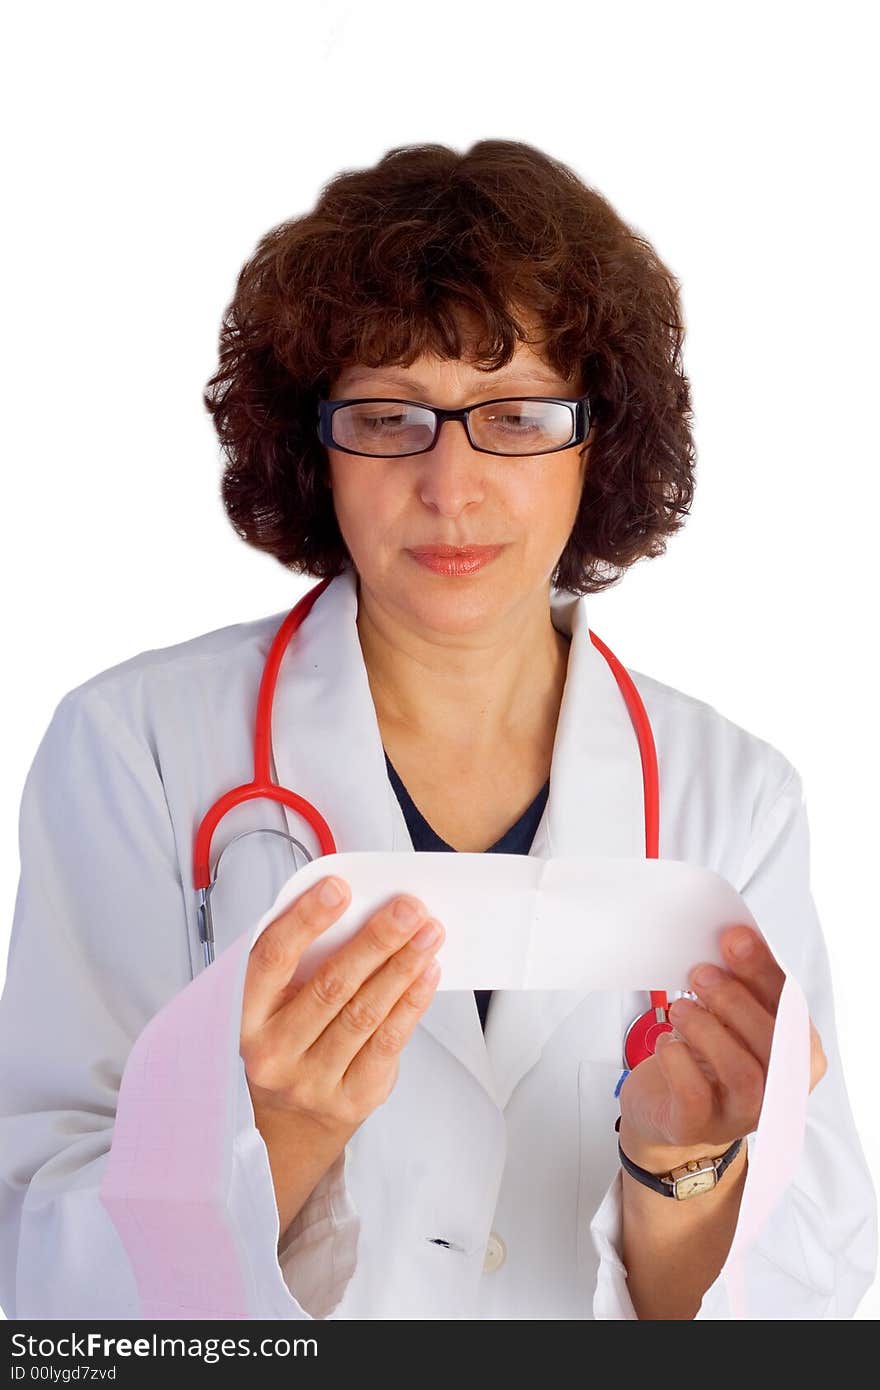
(691, 1184)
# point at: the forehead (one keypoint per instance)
(427, 373)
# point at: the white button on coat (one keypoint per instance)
(496, 1253)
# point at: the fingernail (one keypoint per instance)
(741, 944)
(426, 935)
(663, 1039)
(708, 975)
(331, 892)
(680, 1008)
(406, 912)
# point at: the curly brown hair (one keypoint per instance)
(379, 273)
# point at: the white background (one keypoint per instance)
(148, 150)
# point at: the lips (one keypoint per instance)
(455, 552)
(454, 560)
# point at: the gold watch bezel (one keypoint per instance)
(692, 1179)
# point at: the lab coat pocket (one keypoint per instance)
(598, 1108)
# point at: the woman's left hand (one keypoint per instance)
(703, 1089)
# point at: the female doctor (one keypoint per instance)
(399, 1151)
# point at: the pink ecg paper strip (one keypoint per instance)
(168, 1173)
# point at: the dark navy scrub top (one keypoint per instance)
(517, 840)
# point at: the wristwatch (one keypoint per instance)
(688, 1179)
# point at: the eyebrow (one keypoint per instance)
(410, 383)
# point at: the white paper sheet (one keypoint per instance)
(517, 922)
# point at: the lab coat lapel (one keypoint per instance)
(327, 746)
(595, 807)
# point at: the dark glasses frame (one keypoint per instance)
(578, 405)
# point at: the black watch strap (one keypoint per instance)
(667, 1188)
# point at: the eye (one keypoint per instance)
(518, 423)
(380, 422)
(373, 420)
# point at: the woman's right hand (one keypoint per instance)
(322, 1055)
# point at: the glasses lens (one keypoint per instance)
(522, 427)
(383, 428)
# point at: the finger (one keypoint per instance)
(276, 953)
(368, 1010)
(692, 1096)
(369, 1070)
(733, 1002)
(818, 1060)
(748, 956)
(337, 979)
(740, 1074)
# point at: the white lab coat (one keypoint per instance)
(510, 1133)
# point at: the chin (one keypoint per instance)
(454, 612)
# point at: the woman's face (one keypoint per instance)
(454, 495)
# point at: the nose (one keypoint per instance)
(451, 472)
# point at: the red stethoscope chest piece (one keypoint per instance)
(641, 1037)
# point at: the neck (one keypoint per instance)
(471, 691)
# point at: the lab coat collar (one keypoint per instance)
(327, 746)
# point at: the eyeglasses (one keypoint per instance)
(513, 425)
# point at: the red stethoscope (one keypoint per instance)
(641, 1036)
